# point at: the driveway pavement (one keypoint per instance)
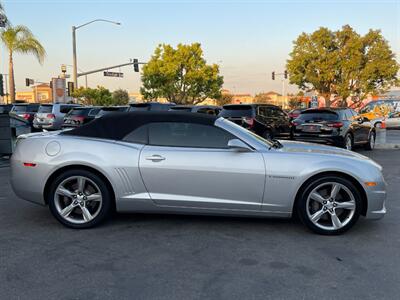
(184, 257)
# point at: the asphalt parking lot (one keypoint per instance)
(185, 257)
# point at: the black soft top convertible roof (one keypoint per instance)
(117, 126)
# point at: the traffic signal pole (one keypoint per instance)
(133, 63)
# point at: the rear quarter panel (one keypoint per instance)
(118, 162)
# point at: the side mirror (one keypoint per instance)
(238, 145)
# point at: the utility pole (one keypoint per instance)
(74, 63)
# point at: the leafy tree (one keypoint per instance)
(342, 63)
(225, 98)
(99, 96)
(120, 97)
(180, 75)
(262, 98)
(19, 39)
(294, 102)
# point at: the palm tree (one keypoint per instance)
(19, 39)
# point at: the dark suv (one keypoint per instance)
(201, 109)
(80, 115)
(266, 120)
(341, 127)
(5, 108)
(147, 106)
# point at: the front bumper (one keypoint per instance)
(376, 205)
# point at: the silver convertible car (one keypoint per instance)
(174, 162)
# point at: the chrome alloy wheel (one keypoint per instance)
(330, 206)
(78, 199)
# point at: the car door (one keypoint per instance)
(363, 127)
(189, 165)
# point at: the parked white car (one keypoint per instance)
(392, 121)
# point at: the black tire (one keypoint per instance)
(348, 142)
(305, 217)
(106, 203)
(378, 125)
(371, 141)
(268, 134)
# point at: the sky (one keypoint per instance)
(248, 39)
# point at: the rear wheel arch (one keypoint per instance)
(353, 180)
(61, 170)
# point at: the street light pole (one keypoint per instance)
(74, 59)
(74, 64)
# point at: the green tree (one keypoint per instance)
(99, 96)
(120, 97)
(342, 63)
(180, 75)
(225, 98)
(19, 39)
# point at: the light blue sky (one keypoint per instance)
(249, 39)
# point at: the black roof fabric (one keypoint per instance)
(117, 126)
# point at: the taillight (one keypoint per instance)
(335, 124)
(25, 116)
(249, 121)
(50, 116)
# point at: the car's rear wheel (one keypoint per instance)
(79, 199)
(371, 141)
(268, 135)
(329, 205)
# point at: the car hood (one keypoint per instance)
(311, 148)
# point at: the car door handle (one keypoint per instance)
(155, 158)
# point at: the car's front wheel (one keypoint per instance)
(79, 199)
(329, 205)
(371, 141)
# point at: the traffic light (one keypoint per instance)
(285, 74)
(135, 65)
(1, 85)
(29, 81)
(273, 75)
(71, 88)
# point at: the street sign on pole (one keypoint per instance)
(113, 74)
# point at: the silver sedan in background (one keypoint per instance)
(168, 162)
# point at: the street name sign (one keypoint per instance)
(113, 74)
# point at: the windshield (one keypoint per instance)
(236, 111)
(181, 108)
(77, 112)
(139, 107)
(318, 116)
(45, 109)
(243, 130)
